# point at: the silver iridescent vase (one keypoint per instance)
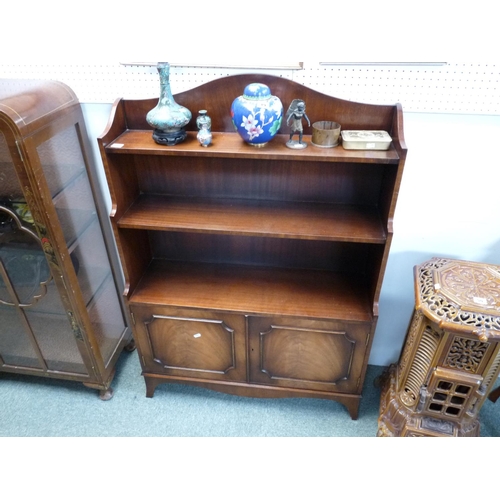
(168, 118)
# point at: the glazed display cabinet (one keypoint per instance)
(253, 271)
(61, 310)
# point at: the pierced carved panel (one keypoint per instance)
(466, 354)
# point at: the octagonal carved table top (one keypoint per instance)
(460, 295)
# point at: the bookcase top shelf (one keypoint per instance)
(129, 132)
(230, 145)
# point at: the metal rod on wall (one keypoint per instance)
(414, 63)
(297, 65)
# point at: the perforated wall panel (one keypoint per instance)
(458, 87)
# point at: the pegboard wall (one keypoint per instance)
(451, 87)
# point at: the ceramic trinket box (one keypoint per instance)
(366, 139)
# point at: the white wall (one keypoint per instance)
(449, 203)
(448, 206)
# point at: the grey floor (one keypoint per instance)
(39, 407)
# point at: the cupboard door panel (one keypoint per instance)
(191, 343)
(317, 355)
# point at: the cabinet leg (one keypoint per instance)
(151, 384)
(106, 395)
(494, 395)
(130, 347)
(352, 407)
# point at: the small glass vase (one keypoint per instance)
(168, 119)
(202, 119)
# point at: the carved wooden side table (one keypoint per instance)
(451, 356)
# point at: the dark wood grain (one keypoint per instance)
(256, 218)
(307, 354)
(271, 180)
(284, 253)
(217, 96)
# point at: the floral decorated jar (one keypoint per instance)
(204, 135)
(257, 114)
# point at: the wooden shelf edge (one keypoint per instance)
(230, 145)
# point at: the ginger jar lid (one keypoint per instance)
(257, 91)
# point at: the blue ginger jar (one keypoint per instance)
(257, 114)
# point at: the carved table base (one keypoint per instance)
(451, 356)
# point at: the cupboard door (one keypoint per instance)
(191, 343)
(307, 354)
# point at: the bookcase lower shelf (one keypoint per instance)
(254, 289)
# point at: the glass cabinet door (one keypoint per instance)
(64, 170)
(34, 328)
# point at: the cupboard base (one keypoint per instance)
(349, 401)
